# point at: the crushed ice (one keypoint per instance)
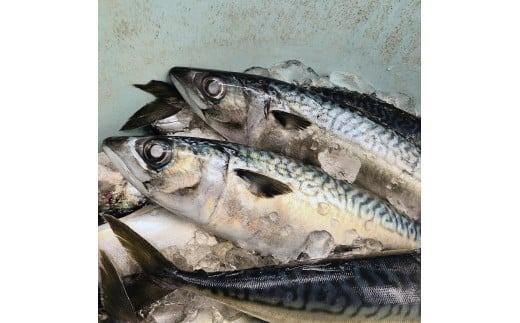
(206, 252)
(294, 71)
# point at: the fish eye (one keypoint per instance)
(157, 153)
(213, 87)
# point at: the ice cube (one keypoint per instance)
(351, 82)
(400, 101)
(256, 70)
(293, 71)
(339, 164)
(318, 244)
(185, 306)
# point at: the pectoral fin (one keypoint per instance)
(290, 121)
(261, 185)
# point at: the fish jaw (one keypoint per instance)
(120, 151)
(182, 78)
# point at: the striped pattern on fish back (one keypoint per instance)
(312, 181)
(351, 125)
(363, 288)
(404, 123)
(368, 105)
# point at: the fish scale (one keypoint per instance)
(229, 189)
(377, 110)
(312, 183)
(365, 105)
(360, 283)
(366, 132)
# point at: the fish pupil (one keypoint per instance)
(157, 151)
(213, 88)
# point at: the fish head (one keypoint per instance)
(224, 100)
(168, 171)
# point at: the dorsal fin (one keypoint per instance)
(261, 185)
(290, 121)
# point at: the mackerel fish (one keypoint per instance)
(352, 136)
(257, 199)
(383, 288)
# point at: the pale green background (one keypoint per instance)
(142, 40)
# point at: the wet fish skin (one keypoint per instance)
(402, 122)
(385, 143)
(305, 123)
(384, 287)
(258, 199)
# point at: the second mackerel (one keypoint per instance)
(258, 199)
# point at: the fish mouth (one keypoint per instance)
(116, 148)
(181, 73)
(182, 79)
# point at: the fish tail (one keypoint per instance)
(167, 103)
(115, 300)
(151, 261)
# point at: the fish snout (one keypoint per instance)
(114, 143)
(117, 151)
(186, 82)
(184, 75)
(122, 153)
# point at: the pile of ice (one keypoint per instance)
(205, 252)
(294, 71)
